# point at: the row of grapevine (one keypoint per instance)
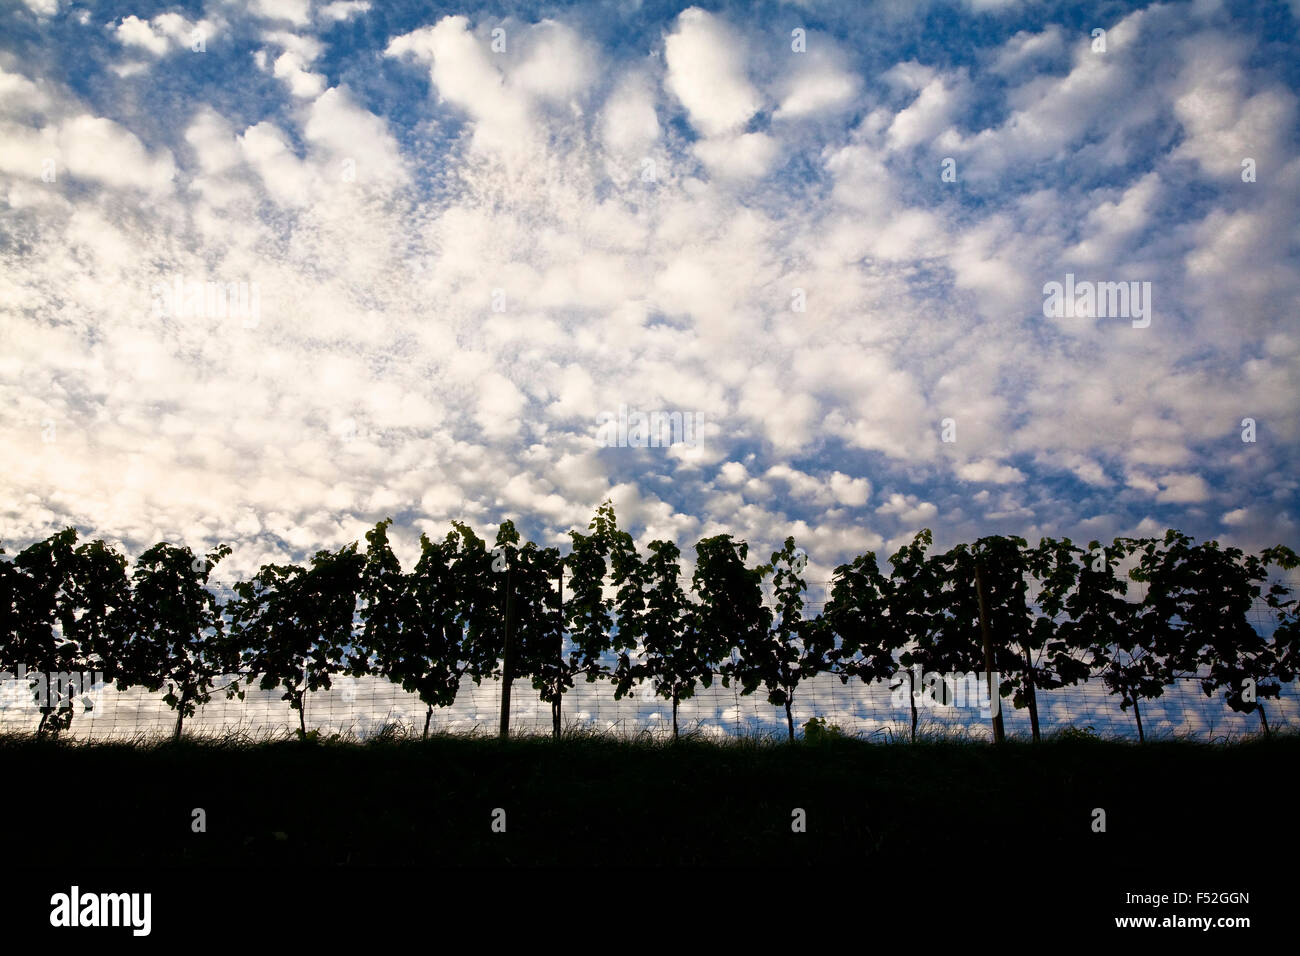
(1057, 615)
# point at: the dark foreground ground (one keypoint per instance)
(944, 833)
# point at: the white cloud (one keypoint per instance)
(464, 75)
(706, 73)
(297, 12)
(928, 115)
(1048, 113)
(1025, 48)
(910, 511)
(818, 84)
(629, 122)
(94, 148)
(302, 83)
(346, 131)
(747, 156)
(557, 64)
(167, 32)
(340, 10)
(733, 473)
(380, 378)
(288, 180)
(988, 470)
(852, 492)
(1182, 488)
(136, 32)
(1222, 122)
(1111, 222)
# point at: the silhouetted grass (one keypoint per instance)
(594, 798)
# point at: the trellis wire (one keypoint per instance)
(363, 707)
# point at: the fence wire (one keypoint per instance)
(363, 707)
(366, 706)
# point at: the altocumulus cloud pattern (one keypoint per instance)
(275, 270)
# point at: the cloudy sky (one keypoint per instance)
(468, 234)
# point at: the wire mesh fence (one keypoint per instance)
(363, 707)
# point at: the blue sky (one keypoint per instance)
(463, 255)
